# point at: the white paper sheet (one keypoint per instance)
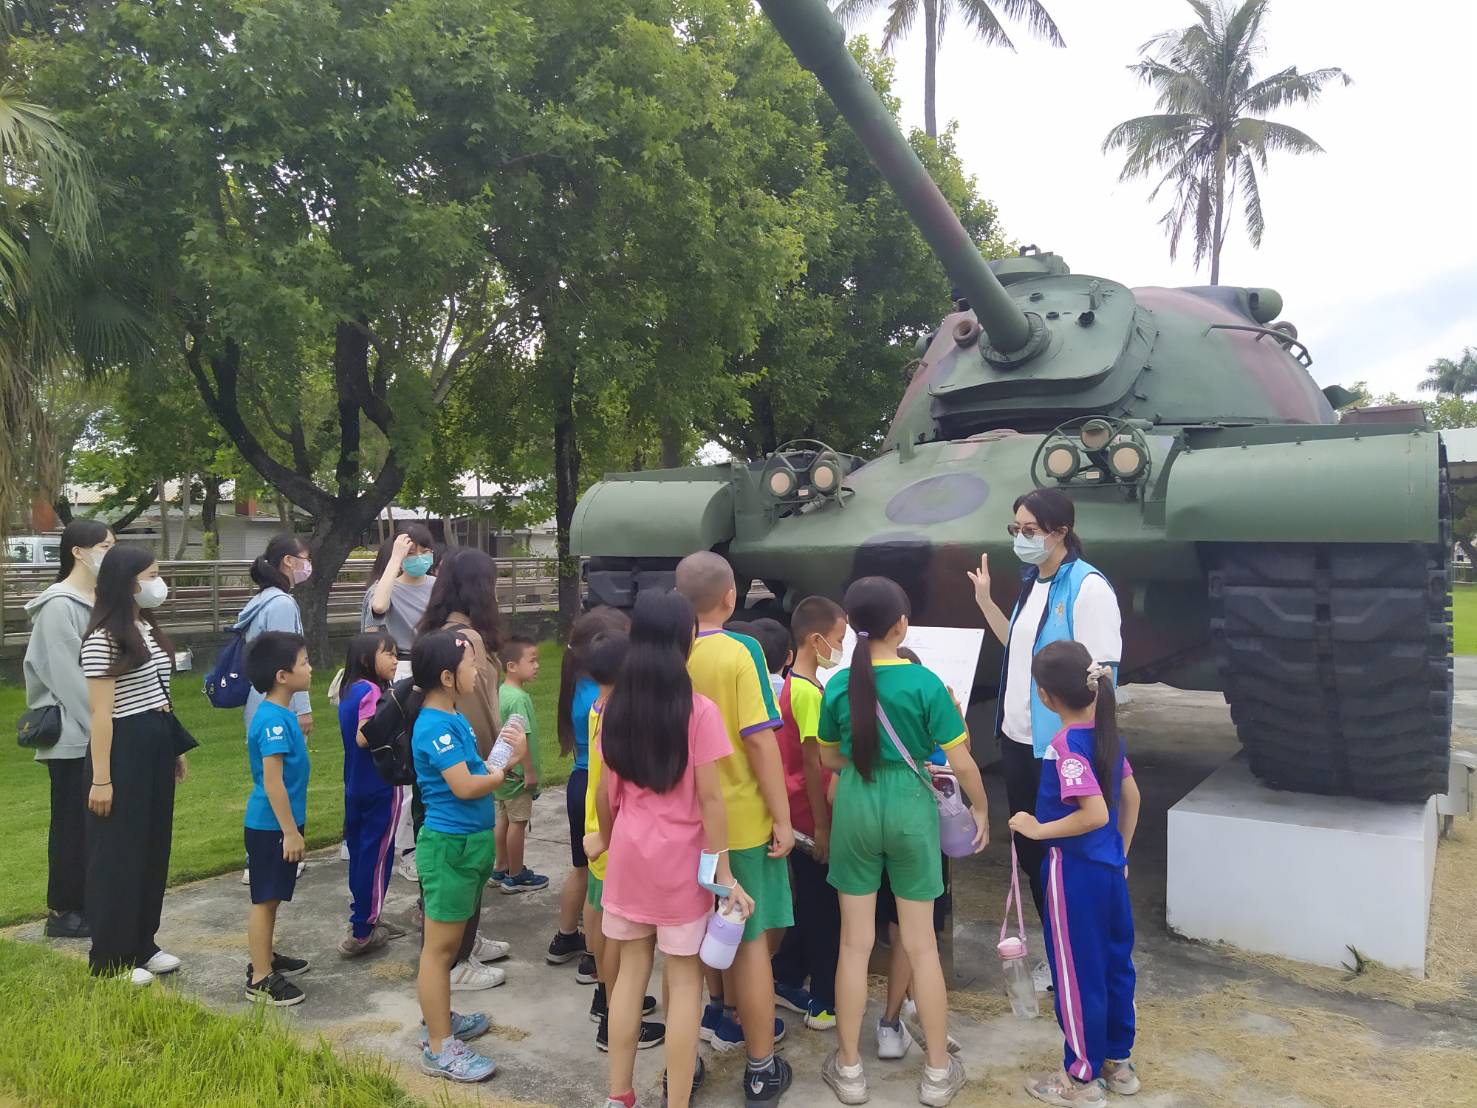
(951, 652)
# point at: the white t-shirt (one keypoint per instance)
(1096, 624)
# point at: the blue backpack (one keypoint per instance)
(226, 685)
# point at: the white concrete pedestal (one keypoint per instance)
(1301, 876)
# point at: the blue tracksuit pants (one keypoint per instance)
(369, 830)
(1089, 942)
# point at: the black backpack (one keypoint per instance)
(388, 732)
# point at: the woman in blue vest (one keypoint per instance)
(1062, 597)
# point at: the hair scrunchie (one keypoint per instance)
(1095, 673)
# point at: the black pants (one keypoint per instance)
(128, 863)
(812, 946)
(1022, 782)
(469, 935)
(66, 842)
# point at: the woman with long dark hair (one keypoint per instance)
(53, 672)
(1062, 597)
(464, 599)
(279, 569)
(400, 587)
(881, 719)
(135, 759)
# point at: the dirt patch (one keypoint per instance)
(392, 971)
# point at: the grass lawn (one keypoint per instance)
(1464, 618)
(69, 1038)
(210, 804)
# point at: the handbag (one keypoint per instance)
(956, 824)
(40, 728)
(184, 742)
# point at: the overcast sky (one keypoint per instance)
(1372, 244)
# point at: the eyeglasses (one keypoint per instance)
(1029, 530)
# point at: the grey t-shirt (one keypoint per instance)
(407, 605)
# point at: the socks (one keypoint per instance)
(891, 1025)
(849, 1071)
(935, 1075)
(762, 1065)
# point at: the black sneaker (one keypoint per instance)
(768, 1085)
(67, 925)
(281, 964)
(563, 948)
(276, 990)
(586, 974)
(699, 1072)
(598, 1008)
(652, 1034)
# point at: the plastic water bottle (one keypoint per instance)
(1018, 984)
(725, 932)
(502, 750)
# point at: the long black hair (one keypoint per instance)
(435, 654)
(83, 534)
(873, 607)
(266, 571)
(1061, 668)
(1053, 510)
(466, 583)
(116, 613)
(644, 733)
(573, 666)
(359, 662)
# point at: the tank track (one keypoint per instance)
(1336, 662)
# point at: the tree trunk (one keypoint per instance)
(211, 504)
(329, 547)
(1218, 231)
(930, 66)
(163, 520)
(284, 514)
(184, 500)
(672, 444)
(566, 492)
(63, 508)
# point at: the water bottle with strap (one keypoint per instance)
(1012, 950)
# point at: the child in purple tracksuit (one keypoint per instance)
(371, 807)
(1086, 812)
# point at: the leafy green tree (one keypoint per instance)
(1456, 377)
(1211, 134)
(978, 14)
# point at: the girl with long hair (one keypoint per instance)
(135, 759)
(53, 673)
(284, 565)
(881, 718)
(577, 695)
(1086, 812)
(660, 804)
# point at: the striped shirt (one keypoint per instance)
(138, 690)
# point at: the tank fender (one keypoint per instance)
(627, 517)
(1366, 489)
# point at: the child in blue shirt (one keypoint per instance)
(277, 810)
(1087, 808)
(455, 847)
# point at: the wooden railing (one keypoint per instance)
(208, 596)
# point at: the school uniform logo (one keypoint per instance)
(443, 743)
(1072, 770)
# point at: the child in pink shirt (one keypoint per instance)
(660, 806)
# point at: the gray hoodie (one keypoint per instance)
(59, 616)
(271, 610)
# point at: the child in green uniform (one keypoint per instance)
(515, 798)
(885, 819)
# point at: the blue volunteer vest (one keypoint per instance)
(1056, 625)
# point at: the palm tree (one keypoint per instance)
(1211, 135)
(1452, 378)
(979, 14)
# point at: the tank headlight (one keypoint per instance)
(780, 479)
(1062, 461)
(825, 473)
(1127, 460)
(1096, 434)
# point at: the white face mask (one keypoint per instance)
(828, 659)
(152, 593)
(1032, 551)
(92, 560)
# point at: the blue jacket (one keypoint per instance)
(271, 610)
(1056, 625)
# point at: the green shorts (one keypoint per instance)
(889, 823)
(453, 869)
(594, 892)
(767, 881)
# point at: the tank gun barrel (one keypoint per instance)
(819, 44)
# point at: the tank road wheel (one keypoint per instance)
(1336, 662)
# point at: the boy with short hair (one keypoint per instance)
(276, 811)
(774, 640)
(729, 669)
(515, 797)
(812, 947)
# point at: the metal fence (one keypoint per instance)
(208, 596)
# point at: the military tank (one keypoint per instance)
(1258, 545)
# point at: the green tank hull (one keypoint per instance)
(1257, 545)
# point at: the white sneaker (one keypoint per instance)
(1041, 977)
(140, 977)
(893, 1042)
(908, 1017)
(405, 867)
(472, 975)
(161, 964)
(490, 950)
(343, 852)
(246, 877)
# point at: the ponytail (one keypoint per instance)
(266, 571)
(1105, 751)
(1066, 670)
(572, 667)
(873, 606)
